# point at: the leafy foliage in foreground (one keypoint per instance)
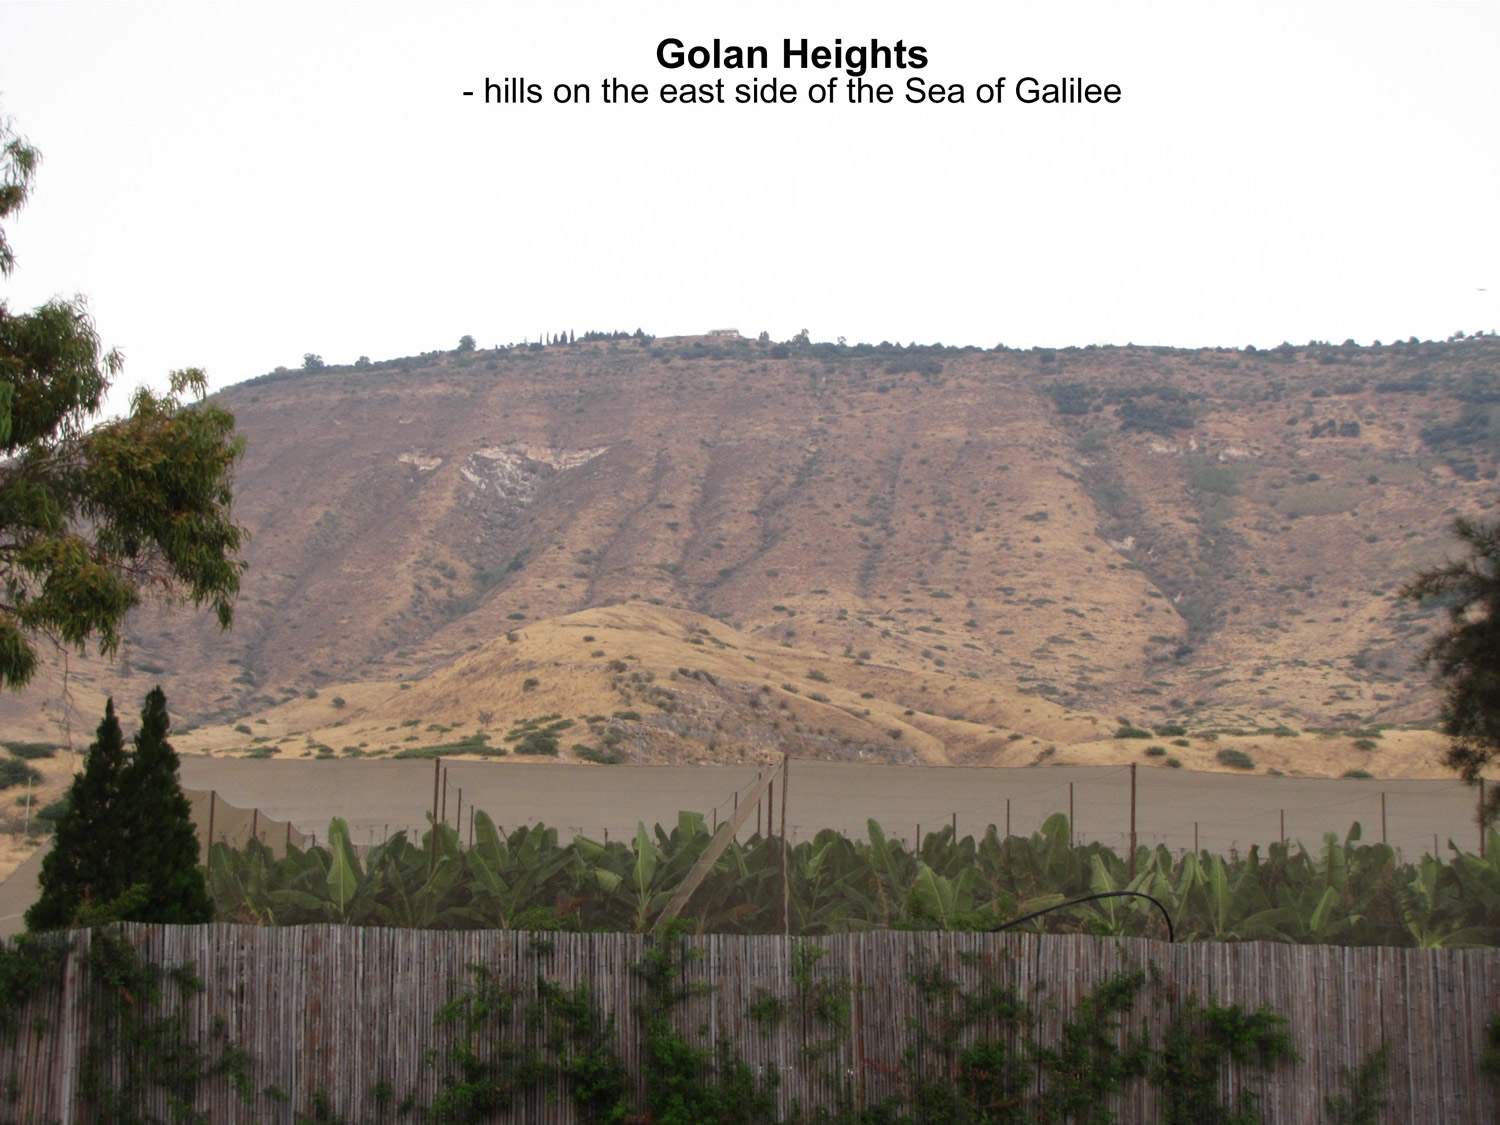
(90, 517)
(1466, 656)
(1344, 893)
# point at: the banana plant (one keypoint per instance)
(1345, 891)
(1433, 912)
(344, 872)
(299, 893)
(888, 870)
(1045, 863)
(1116, 917)
(937, 898)
(740, 894)
(238, 882)
(1478, 883)
(1225, 908)
(1000, 892)
(639, 882)
(416, 887)
(828, 894)
(512, 874)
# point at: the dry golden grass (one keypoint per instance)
(942, 718)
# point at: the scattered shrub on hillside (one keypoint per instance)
(1132, 732)
(530, 683)
(471, 744)
(815, 674)
(1072, 398)
(1236, 759)
(1360, 774)
(13, 771)
(338, 701)
(243, 729)
(1155, 418)
(1168, 730)
(31, 750)
(540, 743)
(1173, 763)
(1181, 742)
(1365, 744)
(597, 756)
(1155, 751)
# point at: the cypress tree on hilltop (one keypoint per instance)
(84, 865)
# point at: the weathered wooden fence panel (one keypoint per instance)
(334, 1010)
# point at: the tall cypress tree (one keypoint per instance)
(159, 824)
(85, 863)
(126, 848)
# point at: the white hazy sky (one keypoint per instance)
(235, 185)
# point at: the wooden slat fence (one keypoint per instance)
(340, 1010)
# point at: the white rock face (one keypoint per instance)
(514, 472)
(422, 461)
(1236, 453)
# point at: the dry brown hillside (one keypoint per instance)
(1212, 536)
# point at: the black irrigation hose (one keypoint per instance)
(1090, 898)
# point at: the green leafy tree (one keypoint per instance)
(126, 849)
(91, 515)
(466, 343)
(1466, 656)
